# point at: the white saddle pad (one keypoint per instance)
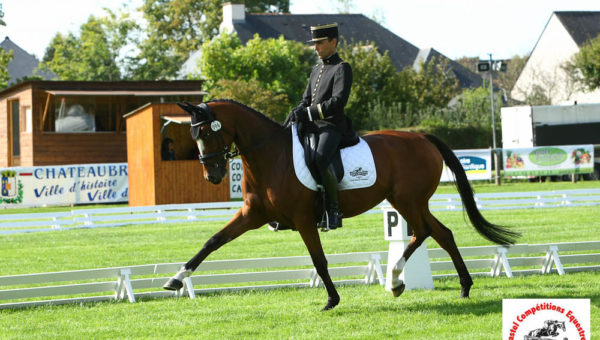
(359, 167)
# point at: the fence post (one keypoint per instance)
(552, 257)
(374, 270)
(501, 261)
(124, 286)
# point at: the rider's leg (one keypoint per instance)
(329, 140)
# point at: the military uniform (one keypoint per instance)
(323, 103)
(326, 96)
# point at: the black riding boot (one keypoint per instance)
(334, 217)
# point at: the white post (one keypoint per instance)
(416, 273)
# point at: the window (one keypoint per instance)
(81, 114)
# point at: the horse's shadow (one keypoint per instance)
(477, 304)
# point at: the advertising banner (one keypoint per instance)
(64, 185)
(235, 178)
(476, 162)
(548, 160)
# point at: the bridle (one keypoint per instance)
(224, 151)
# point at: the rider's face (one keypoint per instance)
(325, 48)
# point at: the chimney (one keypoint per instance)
(232, 14)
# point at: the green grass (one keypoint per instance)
(364, 311)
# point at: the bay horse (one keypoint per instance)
(408, 166)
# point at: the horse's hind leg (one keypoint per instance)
(445, 239)
(421, 231)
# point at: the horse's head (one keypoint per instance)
(213, 143)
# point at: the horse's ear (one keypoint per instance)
(187, 107)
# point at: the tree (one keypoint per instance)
(502, 80)
(277, 65)
(375, 82)
(584, 66)
(94, 54)
(267, 6)
(177, 28)
(251, 93)
(432, 85)
(5, 58)
(2, 23)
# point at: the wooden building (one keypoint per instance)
(157, 177)
(76, 122)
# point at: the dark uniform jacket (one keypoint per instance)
(326, 95)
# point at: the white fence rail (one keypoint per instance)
(135, 282)
(176, 213)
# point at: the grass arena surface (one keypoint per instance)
(364, 311)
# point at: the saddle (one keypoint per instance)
(307, 135)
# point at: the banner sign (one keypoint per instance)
(477, 164)
(235, 178)
(548, 160)
(64, 185)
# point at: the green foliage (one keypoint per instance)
(94, 54)
(374, 82)
(2, 23)
(432, 85)
(251, 93)
(381, 97)
(268, 6)
(468, 123)
(277, 65)
(584, 67)
(5, 58)
(503, 80)
(175, 28)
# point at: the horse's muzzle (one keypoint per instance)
(214, 179)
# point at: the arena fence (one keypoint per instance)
(145, 281)
(177, 213)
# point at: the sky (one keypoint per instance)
(456, 28)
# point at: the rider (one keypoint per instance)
(323, 103)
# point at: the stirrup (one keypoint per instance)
(324, 224)
(276, 226)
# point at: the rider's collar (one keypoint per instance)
(332, 59)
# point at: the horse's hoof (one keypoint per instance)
(331, 303)
(398, 290)
(173, 284)
(464, 291)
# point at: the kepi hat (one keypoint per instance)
(323, 32)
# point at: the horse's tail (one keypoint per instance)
(495, 233)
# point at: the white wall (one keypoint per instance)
(544, 68)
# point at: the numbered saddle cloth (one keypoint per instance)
(359, 166)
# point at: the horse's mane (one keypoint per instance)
(252, 110)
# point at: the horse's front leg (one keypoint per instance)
(241, 222)
(311, 239)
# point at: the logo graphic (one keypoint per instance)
(552, 328)
(359, 172)
(547, 156)
(473, 164)
(545, 319)
(12, 188)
